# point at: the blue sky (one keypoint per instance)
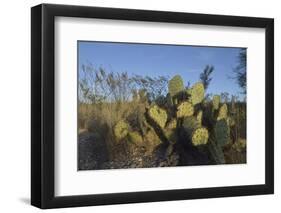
(167, 60)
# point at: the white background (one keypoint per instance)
(70, 182)
(15, 106)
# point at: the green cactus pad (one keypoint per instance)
(222, 112)
(200, 136)
(121, 130)
(216, 101)
(199, 117)
(185, 109)
(221, 132)
(135, 137)
(197, 93)
(158, 115)
(175, 85)
(190, 123)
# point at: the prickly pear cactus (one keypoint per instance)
(198, 135)
(121, 130)
(222, 112)
(221, 132)
(197, 93)
(199, 117)
(185, 109)
(190, 123)
(216, 152)
(158, 115)
(135, 137)
(216, 101)
(175, 85)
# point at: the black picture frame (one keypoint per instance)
(43, 102)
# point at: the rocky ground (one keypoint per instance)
(93, 154)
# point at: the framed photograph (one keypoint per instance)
(139, 106)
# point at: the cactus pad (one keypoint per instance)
(222, 112)
(200, 136)
(185, 109)
(199, 117)
(175, 85)
(216, 101)
(221, 132)
(190, 123)
(121, 130)
(135, 137)
(197, 93)
(158, 115)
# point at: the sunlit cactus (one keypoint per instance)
(216, 101)
(222, 112)
(175, 85)
(135, 137)
(185, 109)
(158, 115)
(199, 117)
(121, 130)
(197, 93)
(221, 132)
(198, 135)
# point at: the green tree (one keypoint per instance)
(240, 73)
